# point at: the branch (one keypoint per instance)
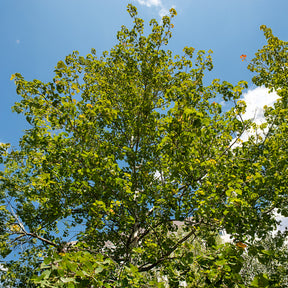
(145, 268)
(25, 233)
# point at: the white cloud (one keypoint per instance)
(284, 222)
(150, 3)
(255, 100)
(2, 268)
(17, 41)
(163, 9)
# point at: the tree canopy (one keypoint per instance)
(131, 167)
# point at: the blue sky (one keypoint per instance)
(36, 34)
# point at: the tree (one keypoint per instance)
(267, 263)
(124, 146)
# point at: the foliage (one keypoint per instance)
(267, 261)
(124, 147)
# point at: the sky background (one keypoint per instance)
(36, 34)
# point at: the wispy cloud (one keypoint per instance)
(163, 9)
(17, 41)
(150, 3)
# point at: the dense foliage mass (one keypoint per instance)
(131, 167)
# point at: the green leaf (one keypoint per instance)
(68, 280)
(144, 168)
(260, 281)
(61, 65)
